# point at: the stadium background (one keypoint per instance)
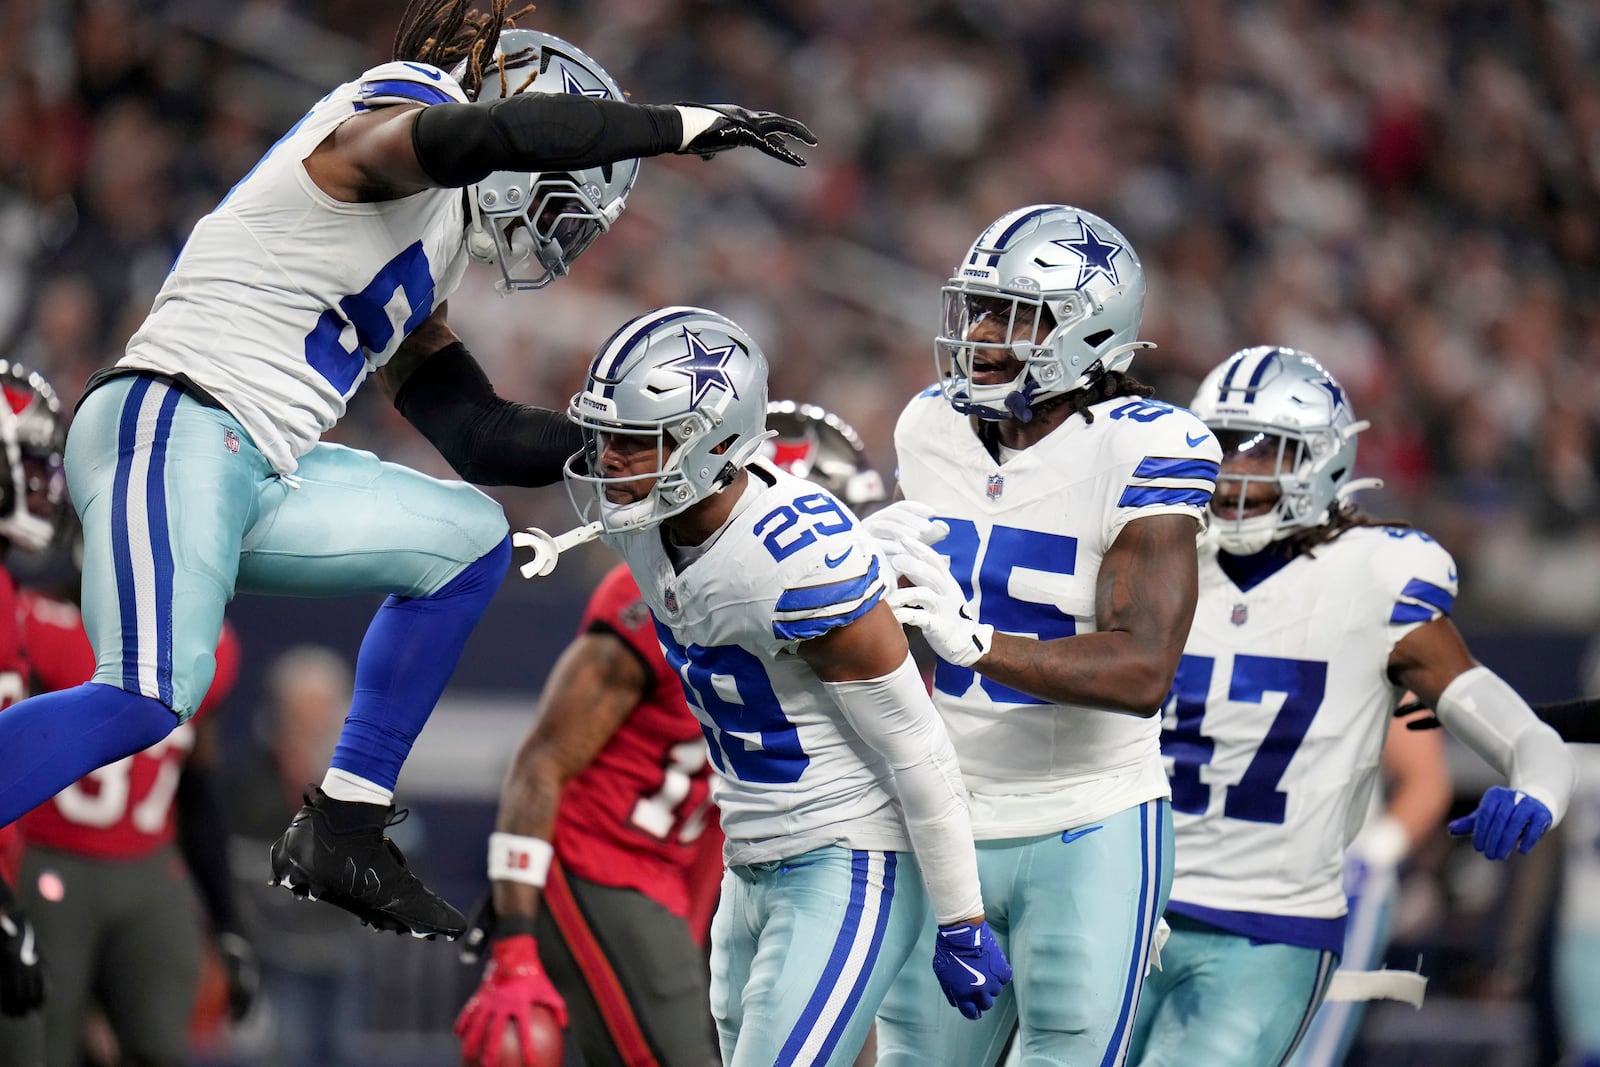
(1407, 190)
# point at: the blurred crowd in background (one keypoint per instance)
(1410, 191)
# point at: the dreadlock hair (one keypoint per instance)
(1342, 517)
(1107, 386)
(445, 32)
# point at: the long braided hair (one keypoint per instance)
(445, 32)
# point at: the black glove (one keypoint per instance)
(712, 128)
(243, 972)
(21, 973)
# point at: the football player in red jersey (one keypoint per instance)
(605, 818)
(111, 900)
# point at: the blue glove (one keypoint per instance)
(1503, 816)
(970, 967)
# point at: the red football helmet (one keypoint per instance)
(33, 486)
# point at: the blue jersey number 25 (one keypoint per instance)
(1255, 797)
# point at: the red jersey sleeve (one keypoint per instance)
(618, 607)
(57, 650)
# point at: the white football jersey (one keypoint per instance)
(1580, 898)
(1278, 715)
(285, 299)
(1026, 539)
(790, 565)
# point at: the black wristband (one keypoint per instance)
(458, 144)
(513, 926)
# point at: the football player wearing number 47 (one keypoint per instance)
(195, 463)
(1065, 507)
(1313, 620)
(839, 792)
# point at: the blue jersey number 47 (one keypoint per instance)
(1255, 797)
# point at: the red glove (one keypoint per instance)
(512, 984)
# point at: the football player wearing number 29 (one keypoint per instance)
(195, 462)
(839, 793)
(1065, 507)
(1313, 620)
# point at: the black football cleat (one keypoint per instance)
(336, 851)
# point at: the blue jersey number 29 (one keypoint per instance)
(1255, 797)
(751, 738)
(783, 533)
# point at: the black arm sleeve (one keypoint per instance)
(487, 439)
(458, 144)
(1575, 720)
(203, 840)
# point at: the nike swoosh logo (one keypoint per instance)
(977, 976)
(1069, 836)
(832, 562)
(1452, 574)
(1194, 441)
(424, 71)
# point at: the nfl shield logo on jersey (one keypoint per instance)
(997, 484)
(1241, 612)
(669, 597)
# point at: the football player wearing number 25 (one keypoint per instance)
(195, 463)
(1313, 620)
(839, 793)
(1049, 535)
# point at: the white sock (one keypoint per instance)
(342, 785)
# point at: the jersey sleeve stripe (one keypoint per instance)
(1430, 594)
(803, 629)
(1408, 613)
(391, 90)
(1161, 467)
(1143, 497)
(813, 597)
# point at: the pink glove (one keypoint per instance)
(512, 984)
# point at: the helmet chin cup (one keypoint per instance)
(1246, 537)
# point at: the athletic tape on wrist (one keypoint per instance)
(514, 858)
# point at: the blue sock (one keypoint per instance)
(409, 652)
(50, 741)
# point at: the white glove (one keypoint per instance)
(903, 522)
(934, 604)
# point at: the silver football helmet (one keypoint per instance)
(1061, 290)
(817, 444)
(687, 379)
(1279, 412)
(532, 226)
(33, 486)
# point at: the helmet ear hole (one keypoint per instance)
(1095, 340)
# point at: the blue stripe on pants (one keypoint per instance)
(886, 899)
(1148, 892)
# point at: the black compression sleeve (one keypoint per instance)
(458, 144)
(203, 840)
(487, 439)
(1575, 720)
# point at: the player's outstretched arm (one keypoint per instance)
(394, 151)
(594, 687)
(488, 440)
(1479, 707)
(1144, 603)
(868, 671)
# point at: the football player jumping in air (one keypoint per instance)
(613, 780)
(839, 793)
(1056, 593)
(1313, 620)
(195, 462)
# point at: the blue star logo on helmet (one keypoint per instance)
(572, 86)
(704, 367)
(1333, 389)
(1097, 256)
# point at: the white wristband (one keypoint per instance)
(514, 858)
